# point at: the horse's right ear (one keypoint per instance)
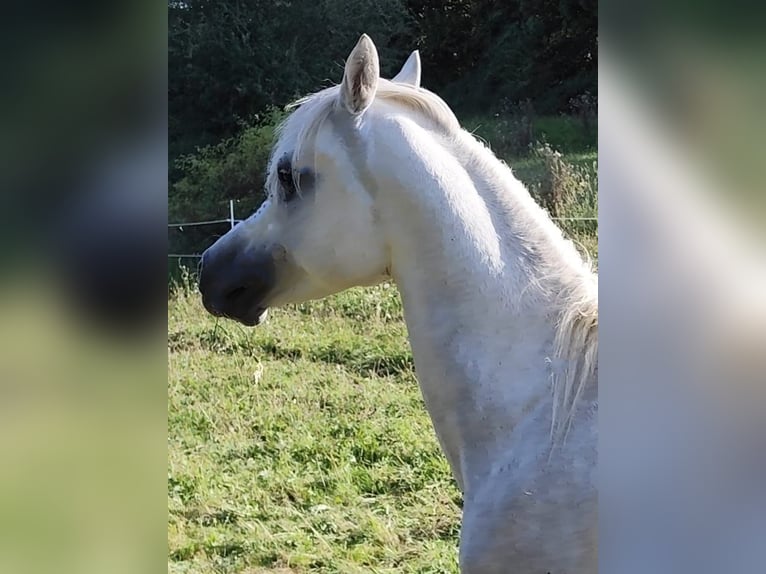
(360, 78)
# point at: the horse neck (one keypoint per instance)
(481, 270)
(466, 236)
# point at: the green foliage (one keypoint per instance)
(566, 134)
(512, 134)
(565, 189)
(230, 61)
(233, 169)
(569, 191)
(509, 133)
(484, 54)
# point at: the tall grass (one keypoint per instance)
(570, 193)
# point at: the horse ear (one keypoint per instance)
(360, 78)
(410, 72)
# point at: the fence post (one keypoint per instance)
(231, 213)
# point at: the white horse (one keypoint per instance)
(375, 179)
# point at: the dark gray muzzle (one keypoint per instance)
(234, 282)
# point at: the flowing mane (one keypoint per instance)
(576, 347)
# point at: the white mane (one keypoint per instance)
(576, 344)
(562, 274)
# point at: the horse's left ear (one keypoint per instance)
(360, 78)
(410, 72)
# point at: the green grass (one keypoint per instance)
(303, 445)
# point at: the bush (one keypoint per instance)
(233, 169)
(567, 134)
(509, 132)
(230, 60)
(565, 190)
(569, 192)
(513, 131)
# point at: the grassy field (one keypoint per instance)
(303, 445)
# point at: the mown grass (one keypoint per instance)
(303, 445)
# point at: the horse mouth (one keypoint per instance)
(241, 305)
(253, 317)
(246, 313)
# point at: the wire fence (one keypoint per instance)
(232, 221)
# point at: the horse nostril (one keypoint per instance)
(235, 293)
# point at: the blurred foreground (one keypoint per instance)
(82, 422)
(681, 260)
(682, 276)
(83, 180)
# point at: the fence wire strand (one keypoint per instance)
(233, 222)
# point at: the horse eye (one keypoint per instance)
(285, 176)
